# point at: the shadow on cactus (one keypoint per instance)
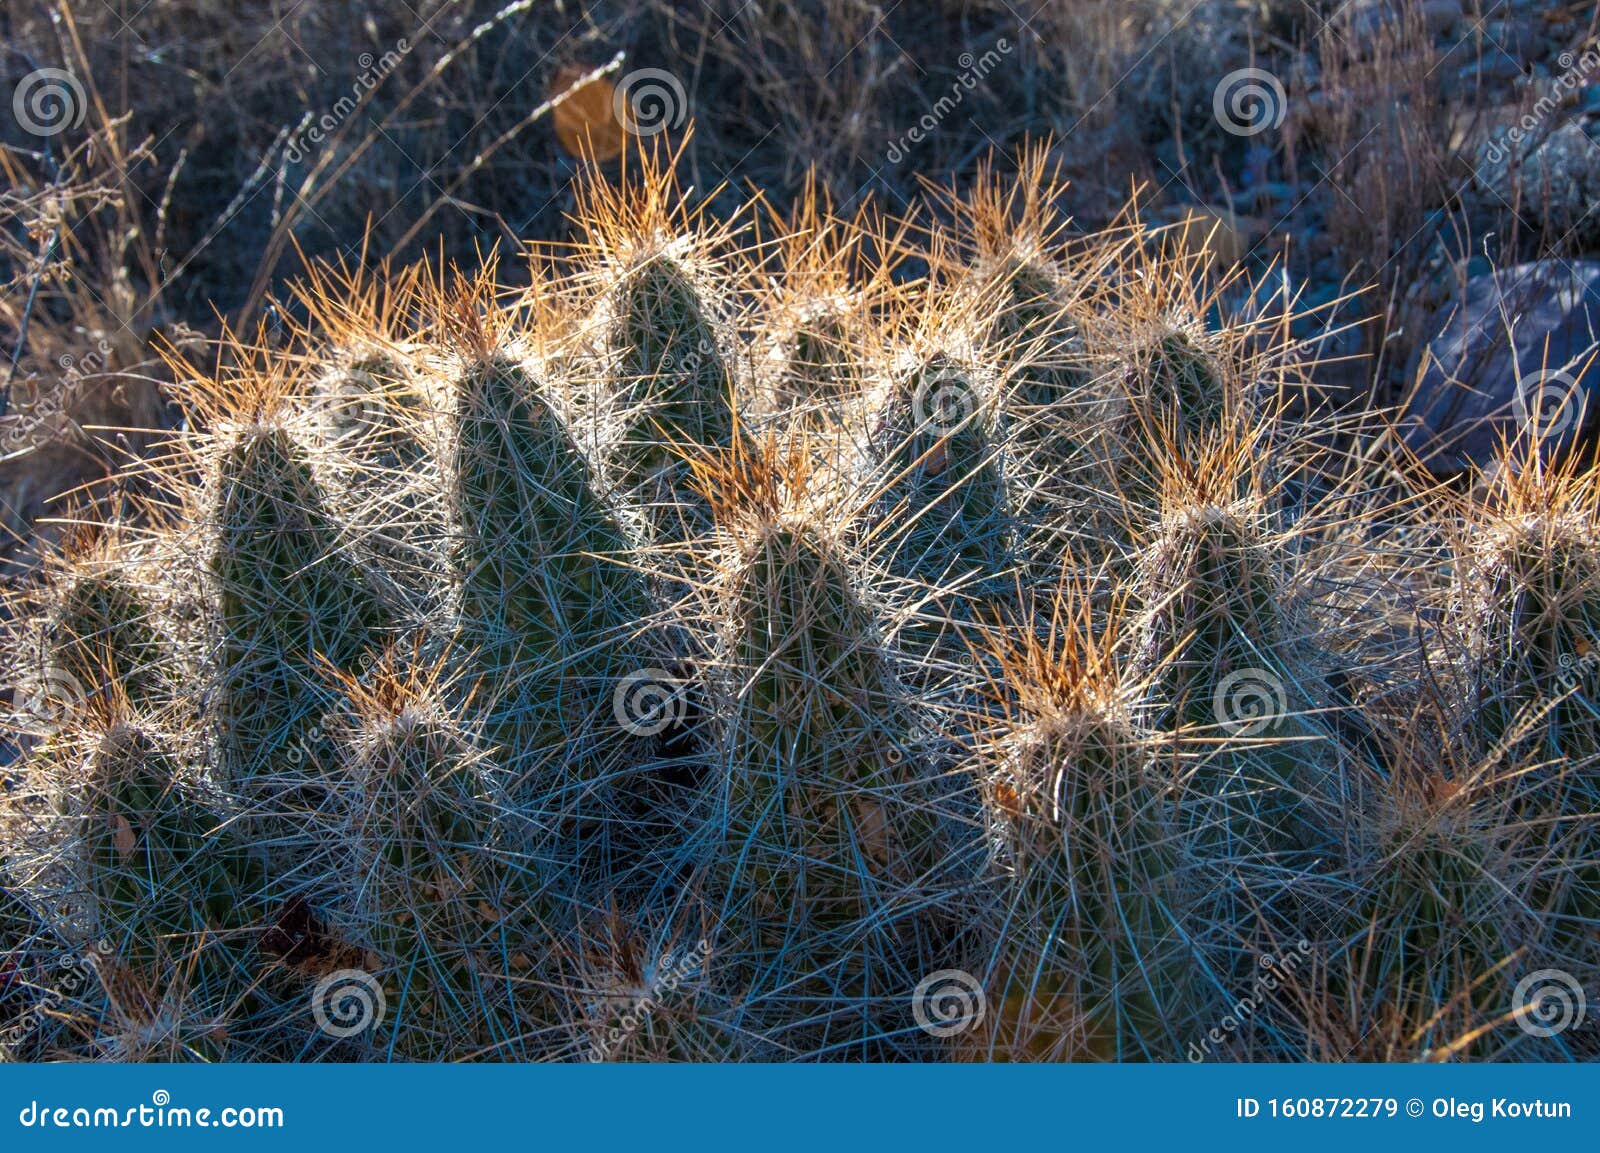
(825, 829)
(717, 643)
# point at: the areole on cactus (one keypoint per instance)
(711, 644)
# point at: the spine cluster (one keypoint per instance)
(698, 653)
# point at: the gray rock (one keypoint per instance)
(1367, 17)
(1558, 179)
(1466, 399)
(1495, 71)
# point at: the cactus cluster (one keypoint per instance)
(722, 650)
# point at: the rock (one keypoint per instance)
(1441, 17)
(1558, 178)
(1465, 398)
(1498, 72)
(1270, 299)
(1368, 17)
(586, 120)
(1213, 235)
(1271, 194)
(1482, 131)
